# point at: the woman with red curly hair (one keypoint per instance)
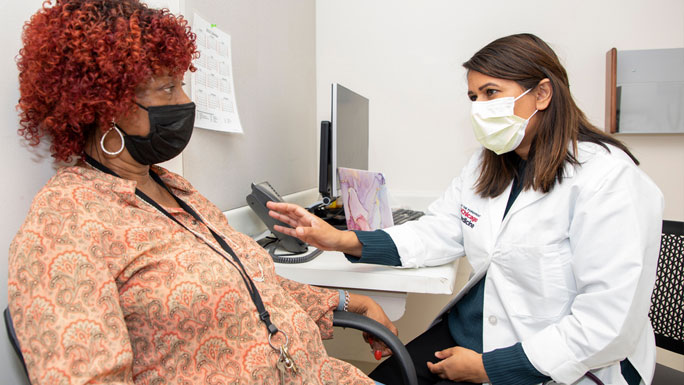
(122, 272)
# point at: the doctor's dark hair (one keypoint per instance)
(82, 60)
(527, 60)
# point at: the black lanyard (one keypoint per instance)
(253, 292)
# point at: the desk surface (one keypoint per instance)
(332, 269)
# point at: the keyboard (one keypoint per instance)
(404, 215)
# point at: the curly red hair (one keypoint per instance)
(82, 61)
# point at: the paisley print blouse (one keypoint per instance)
(104, 289)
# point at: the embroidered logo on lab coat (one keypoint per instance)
(469, 217)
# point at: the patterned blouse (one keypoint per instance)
(103, 288)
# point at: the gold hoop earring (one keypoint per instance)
(115, 128)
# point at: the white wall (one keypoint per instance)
(24, 170)
(274, 68)
(406, 57)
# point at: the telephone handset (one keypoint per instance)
(262, 193)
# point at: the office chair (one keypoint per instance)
(667, 301)
(359, 322)
(9, 326)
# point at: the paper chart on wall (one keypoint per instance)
(213, 88)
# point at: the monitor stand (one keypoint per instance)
(335, 217)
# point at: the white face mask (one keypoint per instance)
(496, 126)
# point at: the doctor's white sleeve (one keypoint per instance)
(615, 240)
(436, 238)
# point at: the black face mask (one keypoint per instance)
(170, 131)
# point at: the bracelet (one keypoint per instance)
(344, 300)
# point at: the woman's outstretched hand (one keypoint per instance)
(318, 233)
(312, 229)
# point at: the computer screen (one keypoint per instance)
(344, 140)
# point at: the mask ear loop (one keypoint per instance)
(523, 94)
(115, 128)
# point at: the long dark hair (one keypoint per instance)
(527, 60)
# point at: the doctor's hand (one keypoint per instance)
(459, 364)
(312, 229)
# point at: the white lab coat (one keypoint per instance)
(569, 273)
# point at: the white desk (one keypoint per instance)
(387, 285)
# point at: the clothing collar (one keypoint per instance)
(178, 184)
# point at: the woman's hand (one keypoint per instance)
(366, 306)
(460, 365)
(313, 230)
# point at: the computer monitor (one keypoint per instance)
(344, 140)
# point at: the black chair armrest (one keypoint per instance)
(9, 327)
(359, 322)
